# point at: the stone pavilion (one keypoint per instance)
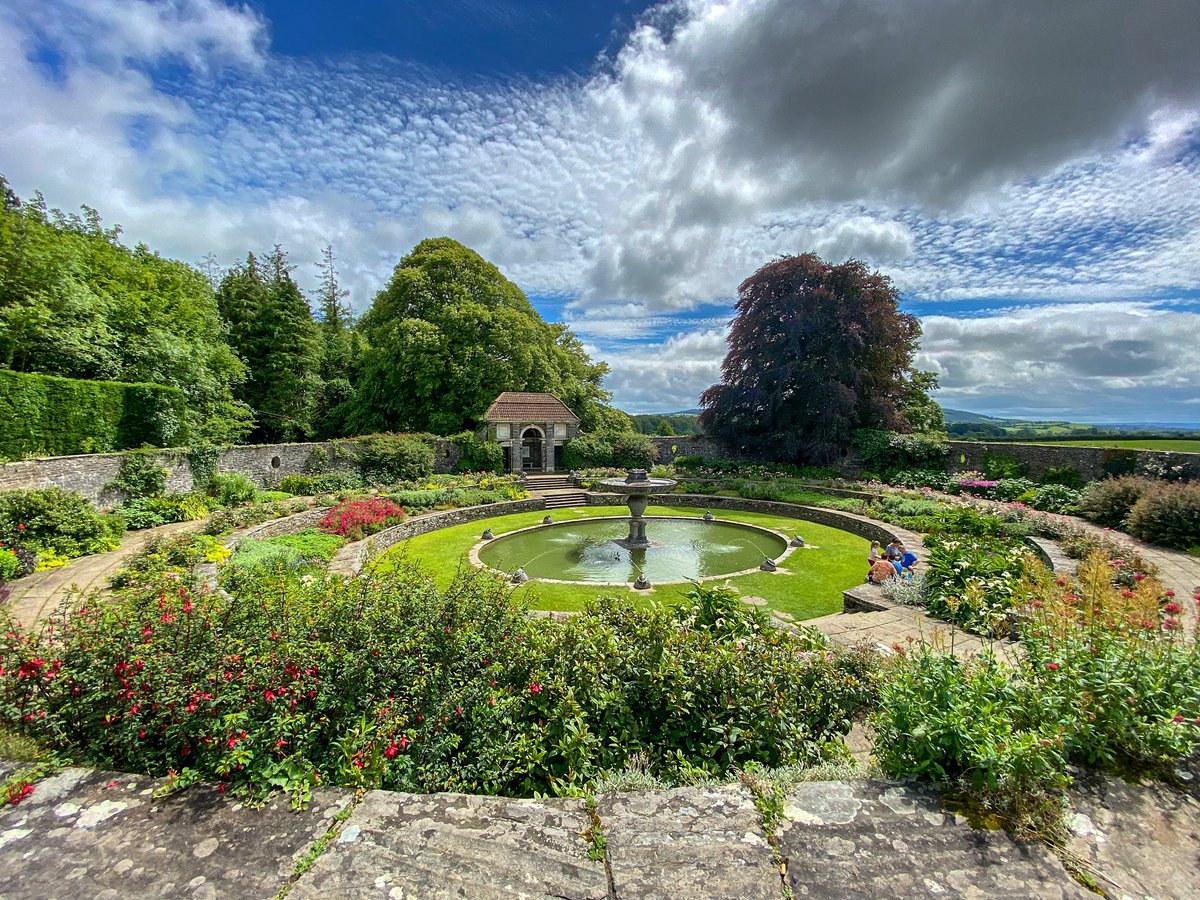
(531, 428)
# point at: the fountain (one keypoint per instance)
(637, 487)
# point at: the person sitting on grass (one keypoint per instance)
(881, 572)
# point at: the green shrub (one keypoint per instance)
(10, 565)
(231, 488)
(476, 455)
(1055, 498)
(48, 415)
(326, 483)
(1168, 514)
(971, 726)
(1067, 476)
(1119, 461)
(623, 450)
(973, 582)
(1009, 489)
(139, 477)
(271, 496)
(388, 458)
(999, 466)
(51, 519)
(888, 450)
(149, 512)
(1108, 502)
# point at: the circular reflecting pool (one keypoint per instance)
(589, 551)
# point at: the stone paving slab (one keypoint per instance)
(455, 845)
(688, 842)
(872, 839)
(1139, 840)
(85, 833)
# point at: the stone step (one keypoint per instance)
(558, 501)
(547, 482)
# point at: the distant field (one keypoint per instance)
(1179, 446)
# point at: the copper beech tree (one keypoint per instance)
(815, 351)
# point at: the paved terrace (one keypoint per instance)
(100, 834)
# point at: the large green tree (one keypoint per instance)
(272, 328)
(815, 351)
(77, 303)
(448, 333)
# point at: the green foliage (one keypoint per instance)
(1067, 476)
(47, 415)
(139, 477)
(682, 424)
(1109, 502)
(476, 455)
(150, 512)
(74, 302)
(203, 460)
(271, 327)
(1168, 514)
(450, 332)
(970, 725)
(325, 483)
(997, 465)
(253, 558)
(622, 450)
(51, 519)
(1055, 498)
(231, 489)
(886, 450)
(973, 582)
(1118, 462)
(388, 458)
(815, 352)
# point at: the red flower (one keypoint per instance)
(391, 751)
(535, 688)
(1172, 608)
(269, 696)
(1053, 667)
(1177, 719)
(404, 742)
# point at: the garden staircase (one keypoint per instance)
(539, 483)
(559, 499)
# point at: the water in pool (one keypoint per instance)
(586, 550)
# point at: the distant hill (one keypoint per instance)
(961, 423)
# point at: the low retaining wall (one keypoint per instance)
(671, 447)
(1093, 463)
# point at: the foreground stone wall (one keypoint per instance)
(1091, 462)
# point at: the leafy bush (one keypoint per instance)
(476, 455)
(388, 458)
(623, 450)
(1108, 502)
(999, 466)
(325, 483)
(1056, 498)
(231, 488)
(355, 519)
(1112, 666)
(254, 556)
(973, 582)
(888, 450)
(10, 564)
(271, 496)
(1009, 489)
(151, 512)
(1168, 514)
(391, 683)
(56, 520)
(139, 477)
(1067, 476)
(970, 725)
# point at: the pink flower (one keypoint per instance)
(391, 751)
(535, 689)
(1172, 608)
(1053, 667)
(404, 742)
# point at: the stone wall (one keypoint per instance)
(1093, 463)
(686, 446)
(265, 464)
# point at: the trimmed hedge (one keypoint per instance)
(44, 415)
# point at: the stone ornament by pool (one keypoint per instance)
(592, 551)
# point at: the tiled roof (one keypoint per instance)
(519, 406)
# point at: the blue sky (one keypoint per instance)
(1027, 173)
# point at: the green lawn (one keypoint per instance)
(1179, 446)
(808, 584)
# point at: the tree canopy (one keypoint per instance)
(450, 332)
(815, 351)
(75, 302)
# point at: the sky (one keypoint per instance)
(1026, 172)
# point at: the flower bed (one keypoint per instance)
(355, 519)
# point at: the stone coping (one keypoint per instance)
(473, 554)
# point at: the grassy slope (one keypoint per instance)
(1179, 446)
(809, 584)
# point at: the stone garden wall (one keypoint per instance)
(264, 463)
(1093, 463)
(670, 447)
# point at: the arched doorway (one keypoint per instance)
(532, 459)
